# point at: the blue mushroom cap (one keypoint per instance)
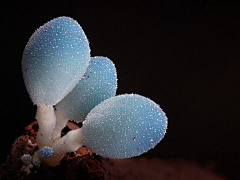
(124, 126)
(54, 60)
(36, 162)
(45, 152)
(26, 158)
(98, 83)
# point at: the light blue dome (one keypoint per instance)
(45, 152)
(124, 126)
(54, 60)
(98, 83)
(26, 158)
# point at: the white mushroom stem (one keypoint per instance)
(36, 157)
(71, 142)
(61, 122)
(46, 121)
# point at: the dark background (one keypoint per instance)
(184, 55)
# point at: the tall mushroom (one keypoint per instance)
(54, 60)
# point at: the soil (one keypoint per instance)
(83, 164)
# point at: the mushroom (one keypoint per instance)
(57, 70)
(124, 126)
(120, 127)
(99, 83)
(54, 60)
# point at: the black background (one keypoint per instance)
(184, 55)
